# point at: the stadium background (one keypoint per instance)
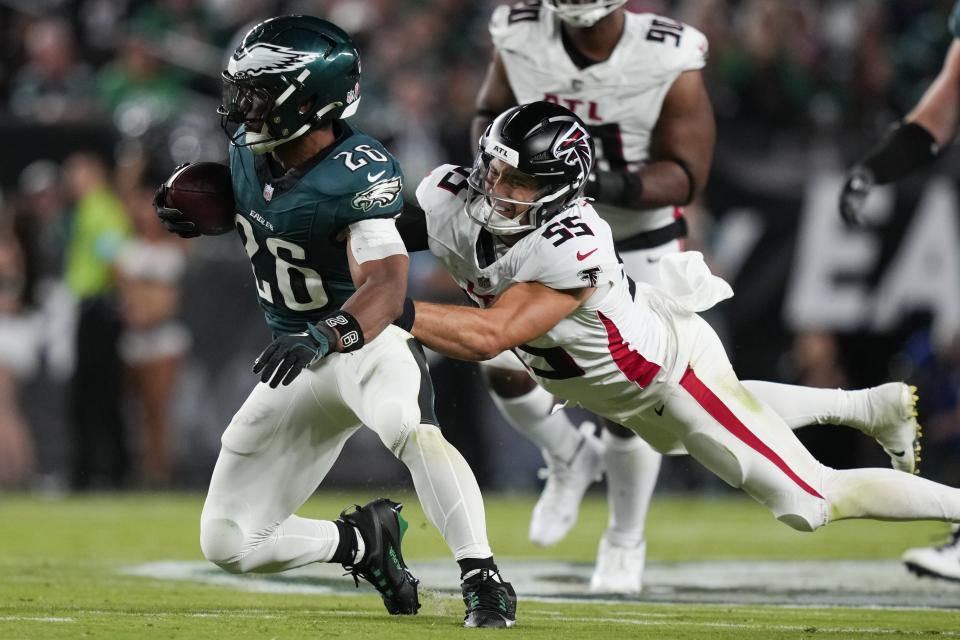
(799, 88)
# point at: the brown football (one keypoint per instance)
(203, 192)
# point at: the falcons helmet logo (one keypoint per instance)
(572, 148)
(264, 58)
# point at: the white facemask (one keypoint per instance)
(586, 14)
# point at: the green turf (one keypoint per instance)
(59, 562)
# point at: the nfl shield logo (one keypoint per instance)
(267, 192)
(484, 282)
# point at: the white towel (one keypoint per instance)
(687, 278)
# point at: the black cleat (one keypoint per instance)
(382, 527)
(491, 602)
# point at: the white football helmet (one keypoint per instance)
(583, 13)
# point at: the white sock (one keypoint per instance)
(632, 468)
(802, 406)
(448, 492)
(887, 494)
(361, 547)
(530, 414)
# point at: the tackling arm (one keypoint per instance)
(494, 98)
(520, 314)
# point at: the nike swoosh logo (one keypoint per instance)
(659, 411)
(584, 256)
(653, 260)
(373, 177)
(899, 454)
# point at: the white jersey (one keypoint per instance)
(619, 99)
(620, 340)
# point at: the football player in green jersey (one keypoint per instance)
(911, 144)
(315, 203)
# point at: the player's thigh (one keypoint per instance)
(742, 440)
(278, 447)
(643, 264)
(387, 384)
(748, 446)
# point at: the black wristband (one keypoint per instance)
(907, 147)
(406, 318)
(619, 188)
(343, 322)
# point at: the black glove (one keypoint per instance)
(405, 319)
(171, 218)
(854, 195)
(286, 356)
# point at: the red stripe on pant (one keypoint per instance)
(634, 366)
(722, 414)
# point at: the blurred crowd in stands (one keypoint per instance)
(117, 368)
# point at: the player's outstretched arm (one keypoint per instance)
(911, 144)
(522, 313)
(494, 98)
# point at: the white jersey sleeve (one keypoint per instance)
(513, 26)
(676, 47)
(441, 195)
(572, 251)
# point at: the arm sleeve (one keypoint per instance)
(412, 225)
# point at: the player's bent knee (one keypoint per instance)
(222, 542)
(423, 440)
(798, 522)
(394, 422)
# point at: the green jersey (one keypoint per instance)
(290, 224)
(955, 20)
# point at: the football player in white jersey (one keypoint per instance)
(635, 80)
(517, 234)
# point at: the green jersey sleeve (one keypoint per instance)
(954, 21)
(369, 180)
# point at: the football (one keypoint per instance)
(203, 192)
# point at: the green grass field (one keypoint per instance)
(61, 562)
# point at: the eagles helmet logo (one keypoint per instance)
(380, 194)
(264, 57)
(572, 148)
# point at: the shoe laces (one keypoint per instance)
(488, 594)
(380, 583)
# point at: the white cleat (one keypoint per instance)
(893, 423)
(936, 562)
(619, 569)
(559, 505)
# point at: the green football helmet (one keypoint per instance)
(288, 75)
